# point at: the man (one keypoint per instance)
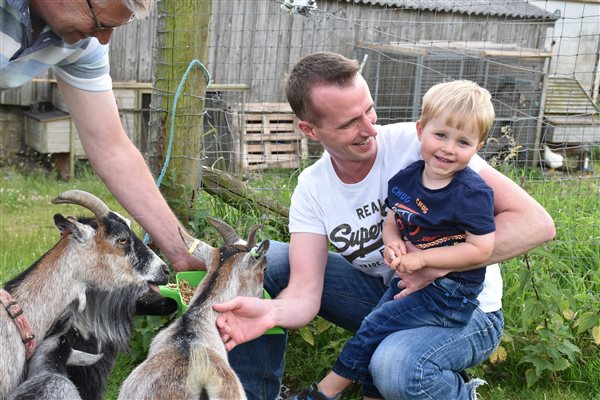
(339, 201)
(71, 37)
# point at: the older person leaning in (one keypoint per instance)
(71, 37)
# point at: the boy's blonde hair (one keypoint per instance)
(463, 103)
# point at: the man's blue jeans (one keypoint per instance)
(412, 364)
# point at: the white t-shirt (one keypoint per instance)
(352, 215)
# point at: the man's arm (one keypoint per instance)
(123, 169)
(521, 225)
(243, 319)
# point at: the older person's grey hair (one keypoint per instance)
(140, 8)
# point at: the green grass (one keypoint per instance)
(551, 299)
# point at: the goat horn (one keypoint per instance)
(227, 232)
(197, 247)
(84, 199)
(252, 235)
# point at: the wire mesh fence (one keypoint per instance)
(539, 60)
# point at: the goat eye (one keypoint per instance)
(122, 241)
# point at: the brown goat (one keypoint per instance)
(188, 359)
(98, 254)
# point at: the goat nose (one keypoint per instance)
(165, 269)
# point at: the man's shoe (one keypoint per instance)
(312, 393)
(464, 375)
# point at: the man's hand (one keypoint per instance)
(411, 282)
(410, 263)
(243, 319)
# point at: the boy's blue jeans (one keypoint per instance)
(445, 303)
(419, 363)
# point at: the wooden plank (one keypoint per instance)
(273, 148)
(575, 134)
(260, 137)
(574, 119)
(265, 107)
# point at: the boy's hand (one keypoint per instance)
(410, 263)
(392, 253)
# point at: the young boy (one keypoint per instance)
(443, 208)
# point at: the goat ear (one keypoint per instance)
(260, 250)
(70, 227)
(61, 223)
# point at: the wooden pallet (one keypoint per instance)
(266, 136)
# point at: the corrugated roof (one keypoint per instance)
(501, 8)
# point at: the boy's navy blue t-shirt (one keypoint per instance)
(433, 218)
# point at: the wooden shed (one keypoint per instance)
(405, 47)
(256, 42)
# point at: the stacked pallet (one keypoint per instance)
(266, 136)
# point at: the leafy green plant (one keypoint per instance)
(317, 344)
(145, 328)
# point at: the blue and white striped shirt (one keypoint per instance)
(83, 65)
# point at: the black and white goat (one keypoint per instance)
(188, 359)
(98, 263)
(47, 372)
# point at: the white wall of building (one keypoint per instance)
(577, 41)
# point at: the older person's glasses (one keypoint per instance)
(99, 26)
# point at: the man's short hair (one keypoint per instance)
(322, 68)
(463, 102)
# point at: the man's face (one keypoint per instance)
(346, 129)
(74, 20)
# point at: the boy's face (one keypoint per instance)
(447, 150)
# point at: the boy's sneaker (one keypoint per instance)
(312, 393)
(464, 375)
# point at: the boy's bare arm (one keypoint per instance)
(394, 245)
(467, 255)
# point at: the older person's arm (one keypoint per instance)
(243, 318)
(123, 169)
(521, 225)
